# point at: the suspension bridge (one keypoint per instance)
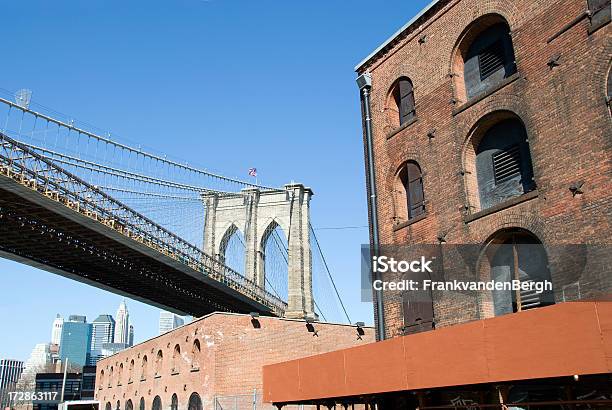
(81, 203)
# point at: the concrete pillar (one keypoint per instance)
(300, 303)
(251, 202)
(210, 219)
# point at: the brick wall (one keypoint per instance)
(563, 109)
(232, 353)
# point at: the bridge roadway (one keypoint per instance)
(54, 233)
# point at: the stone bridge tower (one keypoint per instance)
(257, 213)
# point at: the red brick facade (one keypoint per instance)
(558, 93)
(221, 354)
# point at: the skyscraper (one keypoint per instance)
(10, 371)
(39, 361)
(122, 325)
(76, 341)
(56, 330)
(103, 331)
(169, 321)
(131, 336)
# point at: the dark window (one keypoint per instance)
(157, 404)
(404, 98)
(412, 179)
(174, 402)
(489, 59)
(142, 404)
(519, 256)
(600, 13)
(503, 163)
(129, 405)
(195, 403)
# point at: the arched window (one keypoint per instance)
(119, 374)
(145, 365)
(129, 405)
(176, 359)
(157, 404)
(489, 59)
(141, 406)
(159, 363)
(174, 402)
(411, 180)
(401, 104)
(102, 378)
(195, 403)
(108, 406)
(516, 254)
(110, 376)
(131, 372)
(118, 405)
(503, 163)
(195, 354)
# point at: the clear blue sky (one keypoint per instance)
(269, 82)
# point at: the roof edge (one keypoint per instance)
(396, 34)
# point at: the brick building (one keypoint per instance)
(214, 362)
(488, 136)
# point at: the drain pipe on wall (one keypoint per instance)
(364, 81)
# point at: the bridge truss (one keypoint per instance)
(131, 220)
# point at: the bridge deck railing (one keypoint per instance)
(40, 174)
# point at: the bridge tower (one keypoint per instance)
(257, 213)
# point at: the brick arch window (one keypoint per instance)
(401, 107)
(195, 354)
(517, 254)
(409, 193)
(144, 369)
(176, 359)
(118, 405)
(119, 374)
(195, 402)
(131, 371)
(141, 406)
(483, 57)
(108, 406)
(157, 404)
(101, 378)
(159, 362)
(110, 376)
(174, 402)
(498, 164)
(129, 405)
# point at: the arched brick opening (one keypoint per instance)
(400, 103)
(514, 254)
(479, 196)
(482, 27)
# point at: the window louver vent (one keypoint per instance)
(491, 59)
(507, 164)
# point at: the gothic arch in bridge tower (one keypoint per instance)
(256, 213)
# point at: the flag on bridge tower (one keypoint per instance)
(253, 172)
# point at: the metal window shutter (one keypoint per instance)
(406, 104)
(491, 59)
(415, 194)
(507, 164)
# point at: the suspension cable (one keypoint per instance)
(329, 273)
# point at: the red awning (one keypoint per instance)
(560, 340)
